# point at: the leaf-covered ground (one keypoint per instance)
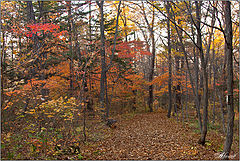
(152, 136)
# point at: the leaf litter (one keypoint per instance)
(152, 136)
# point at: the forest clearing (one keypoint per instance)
(120, 80)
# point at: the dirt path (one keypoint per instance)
(151, 136)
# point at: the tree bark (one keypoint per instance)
(214, 81)
(205, 75)
(152, 60)
(150, 103)
(229, 53)
(103, 63)
(169, 63)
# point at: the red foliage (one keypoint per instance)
(131, 49)
(39, 29)
(44, 27)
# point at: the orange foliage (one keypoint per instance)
(160, 80)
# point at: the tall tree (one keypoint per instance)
(102, 52)
(205, 75)
(169, 62)
(229, 52)
(150, 27)
(104, 66)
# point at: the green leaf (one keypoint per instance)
(80, 157)
(10, 155)
(2, 146)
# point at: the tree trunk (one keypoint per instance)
(214, 81)
(150, 103)
(229, 53)
(152, 59)
(169, 64)
(103, 63)
(205, 75)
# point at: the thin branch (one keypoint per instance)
(115, 37)
(174, 23)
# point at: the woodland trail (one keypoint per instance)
(152, 136)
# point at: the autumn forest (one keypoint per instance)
(120, 80)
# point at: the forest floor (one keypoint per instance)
(152, 136)
(138, 136)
